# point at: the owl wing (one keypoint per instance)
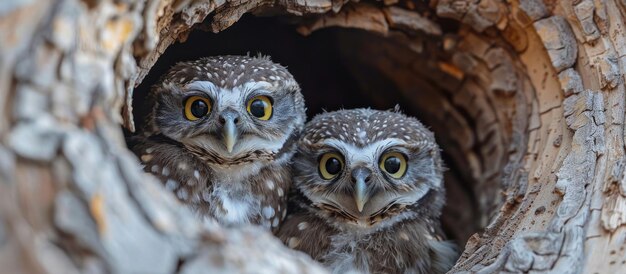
(303, 230)
(172, 165)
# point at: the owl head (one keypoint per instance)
(228, 110)
(363, 167)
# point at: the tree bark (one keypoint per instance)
(528, 97)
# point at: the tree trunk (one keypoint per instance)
(526, 98)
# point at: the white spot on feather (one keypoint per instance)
(362, 136)
(293, 242)
(303, 225)
(270, 184)
(268, 212)
(171, 184)
(182, 194)
(404, 236)
(196, 174)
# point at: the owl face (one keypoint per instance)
(363, 166)
(228, 109)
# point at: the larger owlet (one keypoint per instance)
(368, 194)
(221, 134)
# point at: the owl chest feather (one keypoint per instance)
(252, 193)
(345, 256)
(232, 200)
(232, 195)
(399, 247)
(235, 204)
(249, 193)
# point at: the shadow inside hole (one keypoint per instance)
(330, 78)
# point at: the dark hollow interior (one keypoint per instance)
(330, 79)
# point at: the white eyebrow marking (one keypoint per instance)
(367, 154)
(205, 86)
(250, 86)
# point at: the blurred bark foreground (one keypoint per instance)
(543, 83)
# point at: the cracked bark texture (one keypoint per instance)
(526, 96)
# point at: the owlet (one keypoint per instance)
(221, 134)
(368, 194)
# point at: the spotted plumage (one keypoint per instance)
(368, 194)
(221, 134)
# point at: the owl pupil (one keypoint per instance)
(199, 108)
(392, 164)
(257, 108)
(333, 166)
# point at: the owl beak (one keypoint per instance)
(361, 194)
(230, 134)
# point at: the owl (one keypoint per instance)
(367, 195)
(220, 135)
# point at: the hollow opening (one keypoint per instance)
(348, 68)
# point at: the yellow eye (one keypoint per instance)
(260, 107)
(394, 164)
(196, 107)
(331, 164)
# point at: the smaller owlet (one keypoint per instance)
(368, 194)
(221, 134)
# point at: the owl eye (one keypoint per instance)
(260, 107)
(196, 107)
(394, 164)
(331, 164)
